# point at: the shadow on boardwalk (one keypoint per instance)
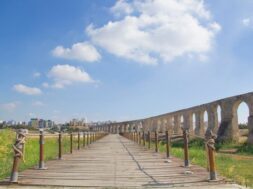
(115, 162)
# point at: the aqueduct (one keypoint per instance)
(193, 120)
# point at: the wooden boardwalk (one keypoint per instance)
(115, 162)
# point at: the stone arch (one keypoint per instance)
(228, 129)
(206, 115)
(182, 120)
(194, 122)
(242, 133)
(171, 124)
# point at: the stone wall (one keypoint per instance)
(227, 129)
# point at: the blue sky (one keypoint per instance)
(118, 60)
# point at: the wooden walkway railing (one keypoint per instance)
(22, 135)
(142, 138)
(112, 162)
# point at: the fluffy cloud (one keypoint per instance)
(153, 30)
(10, 106)
(121, 7)
(27, 90)
(246, 21)
(45, 85)
(79, 51)
(65, 75)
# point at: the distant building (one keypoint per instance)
(78, 124)
(42, 123)
(11, 123)
(50, 124)
(34, 123)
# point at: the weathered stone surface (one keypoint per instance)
(227, 129)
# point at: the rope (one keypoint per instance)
(19, 146)
(210, 139)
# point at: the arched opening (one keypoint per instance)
(181, 121)
(242, 121)
(194, 122)
(172, 122)
(219, 115)
(205, 121)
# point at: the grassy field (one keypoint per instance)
(7, 138)
(237, 167)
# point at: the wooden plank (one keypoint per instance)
(115, 161)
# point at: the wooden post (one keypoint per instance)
(83, 139)
(60, 146)
(186, 148)
(41, 159)
(18, 153)
(210, 142)
(167, 144)
(71, 142)
(149, 140)
(78, 139)
(143, 138)
(140, 138)
(156, 141)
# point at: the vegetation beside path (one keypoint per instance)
(237, 167)
(31, 155)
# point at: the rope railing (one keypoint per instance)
(168, 138)
(74, 138)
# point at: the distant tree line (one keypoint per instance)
(243, 126)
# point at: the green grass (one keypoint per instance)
(236, 167)
(242, 149)
(7, 138)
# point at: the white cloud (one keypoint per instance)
(10, 107)
(121, 7)
(154, 30)
(38, 103)
(79, 51)
(246, 21)
(27, 90)
(45, 85)
(36, 74)
(65, 75)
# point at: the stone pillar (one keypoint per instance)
(228, 129)
(117, 129)
(250, 119)
(250, 127)
(199, 130)
(158, 125)
(130, 128)
(170, 125)
(164, 125)
(125, 128)
(212, 119)
(188, 122)
(177, 121)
